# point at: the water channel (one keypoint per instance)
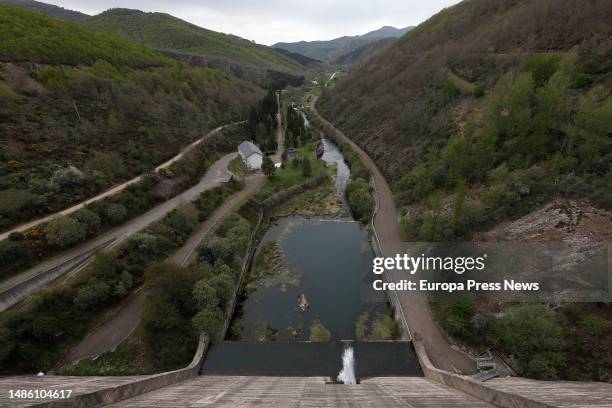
(326, 263)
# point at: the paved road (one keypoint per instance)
(113, 190)
(215, 176)
(128, 315)
(414, 305)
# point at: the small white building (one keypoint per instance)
(251, 155)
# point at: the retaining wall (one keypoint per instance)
(470, 386)
(117, 393)
(21, 290)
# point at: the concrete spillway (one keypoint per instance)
(310, 359)
(226, 392)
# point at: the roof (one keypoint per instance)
(247, 149)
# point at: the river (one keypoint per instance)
(326, 262)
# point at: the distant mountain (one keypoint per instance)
(164, 32)
(329, 51)
(387, 32)
(362, 52)
(302, 59)
(48, 9)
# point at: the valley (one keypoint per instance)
(183, 208)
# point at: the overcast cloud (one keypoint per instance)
(271, 21)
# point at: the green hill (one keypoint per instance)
(96, 109)
(34, 37)
(165, 32)
(484, 84)
(478, 118)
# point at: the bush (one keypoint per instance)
(209, 320)
(89, 220)
(457, 319)
(64, 231)
(360, 199)
(533, 334)
(115, 214)
(318, 332)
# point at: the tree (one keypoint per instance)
(209, 320)
(89, 219)
(533, 334)
(306, 167)
(268, 166)
(223, 285)
(64, 231)
(115, 213)
(92, 295)
(110, 166)
(360, 199)
(318, 332)
(204, 294)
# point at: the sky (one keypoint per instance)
(271, 21)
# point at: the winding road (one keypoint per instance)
(215, 176)
(114, 190)
(414, 305)
(127, 316)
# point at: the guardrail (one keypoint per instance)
(13, 295)
(391, 294)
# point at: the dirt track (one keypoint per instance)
(414, 305)
(128, 315)
(216, 175)
(110, 192)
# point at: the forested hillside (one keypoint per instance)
(81, 111)
(165, 32)
(512, 94)
(479, 117)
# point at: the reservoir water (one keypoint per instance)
(324, 278)
(326, 260)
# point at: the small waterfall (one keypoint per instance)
(347, 374)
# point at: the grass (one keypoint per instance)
(130, 358)
(291, 175)
(323, 200)
(238, 168)
(267, 261)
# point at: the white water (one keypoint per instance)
(347, 374)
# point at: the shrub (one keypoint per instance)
(209, 320)
(64, 231)
(89, 220)
(533, 334)
(360, 199)
(457, 319)
(115, 214)
(318, 332)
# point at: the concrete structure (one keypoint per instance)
(96, 391)
(311, 392)
(251, 155)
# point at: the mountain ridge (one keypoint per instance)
(337, 48)
(166, 32)
(48, 9)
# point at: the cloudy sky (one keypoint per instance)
(271, 21)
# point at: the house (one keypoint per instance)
(251, 155)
